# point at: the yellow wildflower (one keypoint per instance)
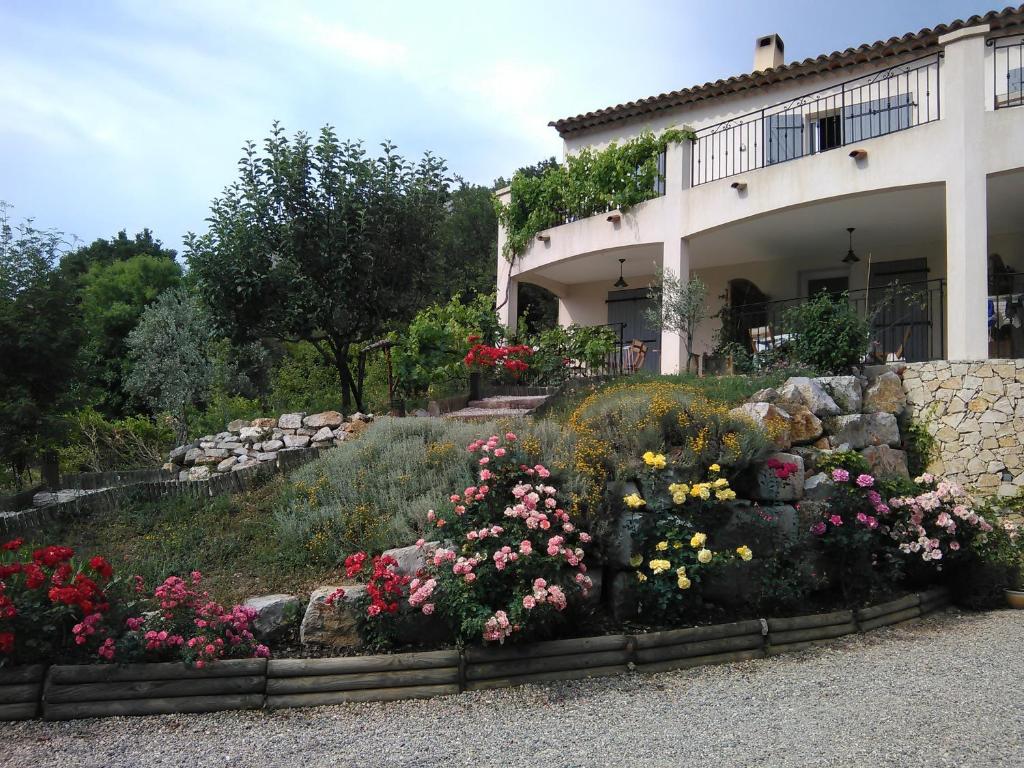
(683, 582)
(720, 483)
(678, 498)
(656, 460)
(633, 501)
(714, 468)
(725, 495)
(636, 561)
(661, 546)
(659, 566)
(704, 556)
(744, 552)
(698, 540)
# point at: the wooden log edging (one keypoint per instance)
(105, 690)
(101, 690)
(21, 689)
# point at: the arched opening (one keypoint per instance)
(538, 308)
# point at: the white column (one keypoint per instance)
(675, 260)
(508, 299)
(963, 111)
(507, 287)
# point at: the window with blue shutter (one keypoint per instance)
(784, 137)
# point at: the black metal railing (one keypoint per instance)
(894, 99)
(1008, 70)
(1006, 315)
(907, 321)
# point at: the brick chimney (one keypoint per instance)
(768, 52)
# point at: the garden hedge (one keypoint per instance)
(101, 690)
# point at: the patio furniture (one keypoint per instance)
(637, 354)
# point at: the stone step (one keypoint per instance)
(504, 402)
(487, 414)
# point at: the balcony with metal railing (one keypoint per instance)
(884, 102)
(1007, 71)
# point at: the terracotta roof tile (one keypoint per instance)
(908, 43)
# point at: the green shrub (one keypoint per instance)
(428, 355)
(827, 333)
(921, 446)
(303, 381)
(848, 460)
(98, 444)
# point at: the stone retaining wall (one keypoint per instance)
(975, 410)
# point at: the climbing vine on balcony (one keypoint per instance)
(591, 181)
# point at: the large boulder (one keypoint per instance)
(818, 487)
(332, 626)
(886, 395)
(811, 393)
(227, 463)
(177, 456)
(804, 426)
(886, 462)
(621, 596)
(275, 615)
(271, 445)
(780, 477)
(192, 455)
(861, 430)
(199, 473)
(623, 543)
(762, 528)
(322, 434)
(290, 421)
(411, 560)
(846, 391)
(252, 434)
(331, 419)
(296, 441)
(774, 421)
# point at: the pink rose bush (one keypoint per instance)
(511, 557)
(936, 524)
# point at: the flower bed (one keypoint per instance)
(74, 691)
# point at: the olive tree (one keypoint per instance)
(170, 354)
(679, 307)
(321, 242)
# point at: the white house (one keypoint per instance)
(917, 143)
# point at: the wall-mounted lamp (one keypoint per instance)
(614, 218)
(543, 238)
(739, 186)
(859, 154)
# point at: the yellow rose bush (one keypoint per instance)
(678, 548)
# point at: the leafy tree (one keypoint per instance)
(826, 332)
(118, 248)
(679, 307)
(114, 296)
(39, 339)
(470, 242)
(170, 354)
(320, 242)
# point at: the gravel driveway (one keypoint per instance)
(943, 692)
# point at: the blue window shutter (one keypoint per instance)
(784, 137)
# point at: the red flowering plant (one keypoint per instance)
(183, 624)
(378, 605)
(53, 607)
(512, 361)
(511, 557)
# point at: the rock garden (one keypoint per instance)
(643, 524)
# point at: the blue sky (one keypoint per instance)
(132, 114)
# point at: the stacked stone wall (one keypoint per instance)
(975, 411)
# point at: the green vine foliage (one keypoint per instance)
(590, 181)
